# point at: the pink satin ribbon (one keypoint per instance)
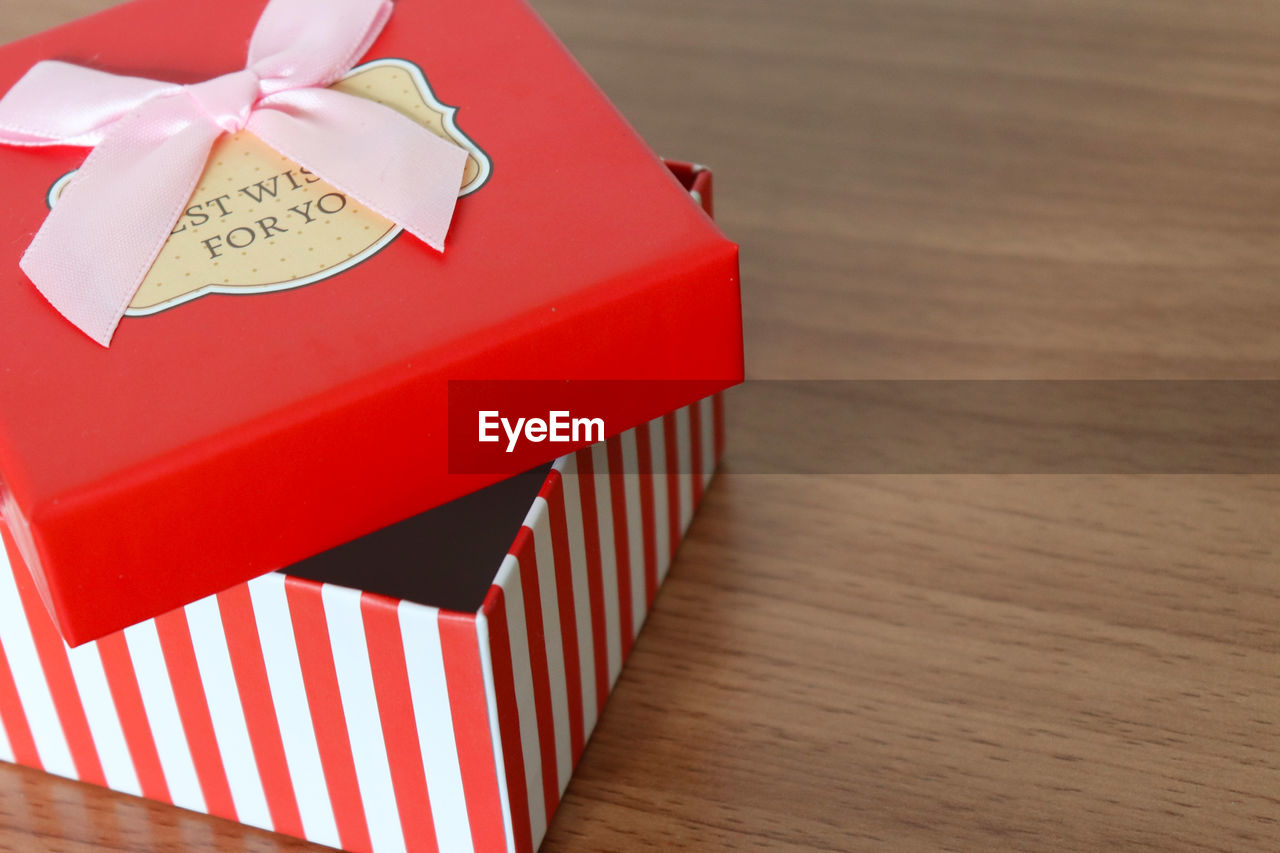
(101, 238)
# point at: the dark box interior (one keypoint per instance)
(445, 557)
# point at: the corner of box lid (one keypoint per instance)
(23, 555)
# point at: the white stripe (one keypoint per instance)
(661, 521)
(162, 713)
(28, 676)
(635, 529)
(364, 725)
(581, 597)
(708, 439)
(544, 551)
(104, 722)
(424, 659)
(293, 713)
(608, 560)
(522, 676)
(229, 727)
(6, 750)
(685, 464)
(495, 736)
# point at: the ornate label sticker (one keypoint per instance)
(258, 222)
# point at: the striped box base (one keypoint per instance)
(363, 722)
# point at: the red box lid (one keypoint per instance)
(229, 435)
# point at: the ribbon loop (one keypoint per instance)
(302, 43)
(160, 134)
(57, 103)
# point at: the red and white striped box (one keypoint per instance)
(364, 722)
(336, 713)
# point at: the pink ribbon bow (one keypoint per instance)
(97, 244)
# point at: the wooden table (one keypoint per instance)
(932, 189)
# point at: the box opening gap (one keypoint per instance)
(446, 557)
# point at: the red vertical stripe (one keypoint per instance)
(123, 684)
(595, 583)
(553, 493)
(621, 542)
(14, 719)
(250, 669)
(695, 449)
(644, 461)
(62, 684)
(399, 728)
(193, 709)
(495, 608)
(469, 706)
(717, 408)
(673, 483)
(320, 680)
(531, 593)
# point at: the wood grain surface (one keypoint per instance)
(932, 189)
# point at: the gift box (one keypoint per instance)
(282, 390)
(373, 721)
